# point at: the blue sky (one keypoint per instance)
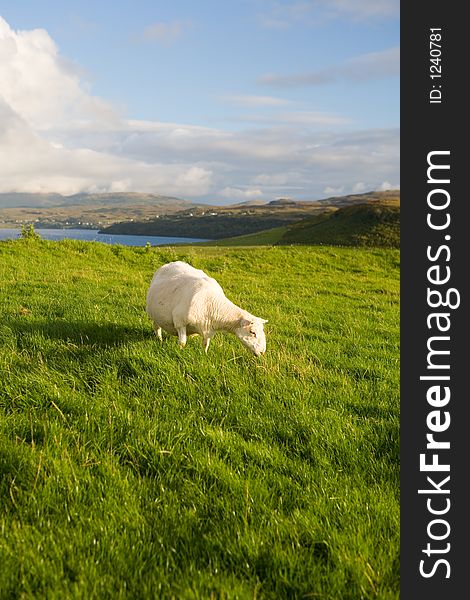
(214, 101)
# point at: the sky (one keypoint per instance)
(210, 101)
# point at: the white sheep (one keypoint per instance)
(185, 301)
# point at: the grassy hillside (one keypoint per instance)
(134, 469)
(269, 237)
(212, 226)
(361, 225)
(221, 222)
(369, 225)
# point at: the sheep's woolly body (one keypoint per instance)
(185, 301)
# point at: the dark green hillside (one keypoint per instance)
(222, 222)
(216, 226)
(360, 225)
(367, 225)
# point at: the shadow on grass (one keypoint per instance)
(80, 333)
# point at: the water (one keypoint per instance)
(92, 235)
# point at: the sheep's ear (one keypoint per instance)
(245, 322)
(264, 320)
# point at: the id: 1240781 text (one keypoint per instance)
(435, 67)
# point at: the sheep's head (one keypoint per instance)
(250, 332)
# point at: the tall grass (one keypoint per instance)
(134, 469)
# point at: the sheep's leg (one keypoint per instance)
(205, 343)
(182, 336)
(158, 332)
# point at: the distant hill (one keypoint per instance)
(124, 198)
(283, 202)
(85, 210)
(212, 226)
(154, 214)
(373, 223)
(220, 222)
(37, 200)
(20, 200)
(14, 199)
(374, 196)
(365, 224)
(250, 203)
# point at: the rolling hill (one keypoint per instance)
(361, 225)
(16, 199)
(89, 210)
(280, 221)
(33, 200)
(221, 222)
(367, 224)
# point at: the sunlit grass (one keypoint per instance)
(134, 469)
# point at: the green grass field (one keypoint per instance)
(268, 237)
(134, 469)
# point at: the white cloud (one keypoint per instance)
(44, 110)
(237, 194)
(56, 137)
(311, 118)
(358, 187)
(275, 179)
(305, 118)
(32, 164)
(255, 101)
(363, 10)
(165, 32)
(282, 16)
(43, 89)
(367, 67)
(287, 13)
(333, 191)
(386, 185)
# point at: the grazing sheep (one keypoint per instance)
(185, 301)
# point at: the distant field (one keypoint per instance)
(269, 237)
(134, 469)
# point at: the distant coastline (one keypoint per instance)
(92, 235)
